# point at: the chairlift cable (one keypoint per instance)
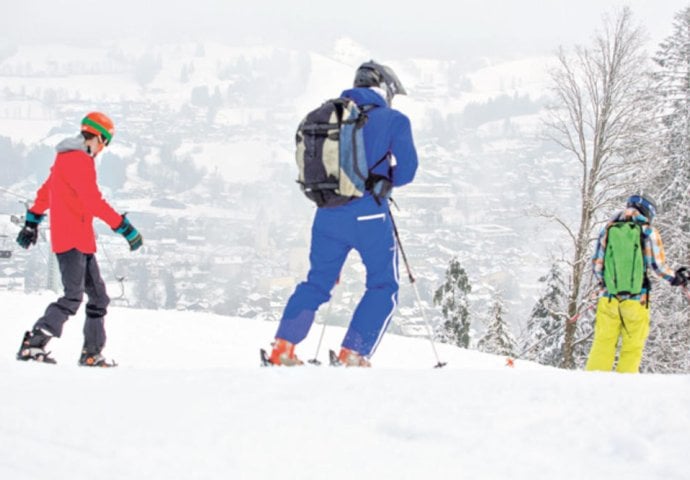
(10, 192)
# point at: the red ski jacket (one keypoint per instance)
(72, 195)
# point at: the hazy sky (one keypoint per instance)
(394, 29)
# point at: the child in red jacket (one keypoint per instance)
(74, 199)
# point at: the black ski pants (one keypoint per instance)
(80, 274)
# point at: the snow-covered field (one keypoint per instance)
(189, 401)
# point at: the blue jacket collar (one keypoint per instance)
(365, 96)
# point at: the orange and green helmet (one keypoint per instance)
(99, 124)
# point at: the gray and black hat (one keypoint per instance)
(372, 74)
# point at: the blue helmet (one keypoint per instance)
(643, 204)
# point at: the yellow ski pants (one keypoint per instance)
(628, 320)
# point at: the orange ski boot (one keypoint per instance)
(350, 358)
(284, 354)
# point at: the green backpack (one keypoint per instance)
(624, 270)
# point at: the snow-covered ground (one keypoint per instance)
(189, 401)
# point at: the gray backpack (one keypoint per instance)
(330, 153)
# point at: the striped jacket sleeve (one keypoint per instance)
(654, 256)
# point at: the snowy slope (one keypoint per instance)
(189, 401)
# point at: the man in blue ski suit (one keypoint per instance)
(363, 224)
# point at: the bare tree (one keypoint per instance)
(600, 119)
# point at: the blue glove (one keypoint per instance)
(28, 235)
(130, 233)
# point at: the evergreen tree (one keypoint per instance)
(498, 339)
(543, 341)
(667, 346)
(452, 298)
(672, 86)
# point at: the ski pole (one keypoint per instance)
(572, 319)
(577, 316)
(538, 342)
(315, 360)
(439, 363)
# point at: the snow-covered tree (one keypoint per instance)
(543, 339)
(602, 119)
(667, 346)
(452, 298)
(497, 338)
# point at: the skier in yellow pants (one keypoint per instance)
(627, 248)
(628, 320)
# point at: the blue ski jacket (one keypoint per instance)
(386, 131)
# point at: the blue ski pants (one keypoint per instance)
(365, 226)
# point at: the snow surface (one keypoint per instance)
(189, 401)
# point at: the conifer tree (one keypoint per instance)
(452, 298)
(498, 339)
(543, 341)
(667, 346)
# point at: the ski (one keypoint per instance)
(46, 359)
(95, 361)
(103, 364)
(333, 359)
(266, 362)
(43, 357)
(263, 355)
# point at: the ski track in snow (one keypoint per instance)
(190, 401)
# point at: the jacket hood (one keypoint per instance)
(365, 96)
(71, 144)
